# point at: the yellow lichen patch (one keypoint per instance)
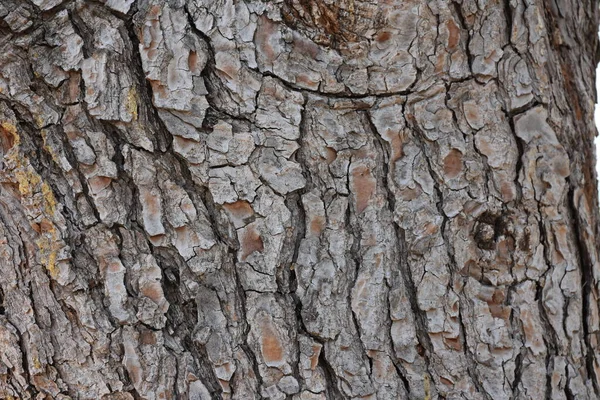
(49, 246)
(39, 121)
(37, 199)
(49, 242)
(8, 136)
(49, 200)
(47, 146)
(10, 128)
(27, 179)
(131, 103)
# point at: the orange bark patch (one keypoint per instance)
(472, 116)
(151, 203)
(159, 88)
(454, 307)
(453, 163)
(46, 226)
(446, 382)
(383, 36)
(330, 155)
(505, 249)
(115, 266)
(251, 242)
(363, 186)
(152, 291)
(184, 145)
(45, 384)
(271, 348)
(157, 240)
(193, 61)
(440, 62)
(507, 190)
(240, 209)
(431, 228)
(453, 34)
(314, 358)
(533, 338)
(306, 47)
(239, 212)
(225, 385)
(380, 369)
(8, 134)
(453, 343)
(571, 92)
(397, 147)
(155, 12)
(410, 194)
(266, 29)
(561, 166)
(147, 337)
(498, 296)
(72, 90)
(306, 81)
(499, 311)
(317, 224)
(230, 70)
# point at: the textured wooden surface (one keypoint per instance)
(298, 199)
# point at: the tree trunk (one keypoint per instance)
(299, 199)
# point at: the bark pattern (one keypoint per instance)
(298, 199)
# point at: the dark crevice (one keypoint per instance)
(384, 149)
(549, 363)
(587, 274)
(332, 391)
(293, 202)
(521, 151)
(508, 11)
(464, 28)
(421, 140)
(182, 317)
(518, 375)
(568, 392)
(336, 95)
(355, 254)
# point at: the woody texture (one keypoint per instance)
(298, 200)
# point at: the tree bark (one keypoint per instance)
(299, 199)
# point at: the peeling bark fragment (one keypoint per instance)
(364, 52)
(173, 60)
(121, 6)
(47, 4)
(19, 19)
(516, 80)
(98, 76)
(17, 85)
(144, 175)
(141, 347)
(65, 53)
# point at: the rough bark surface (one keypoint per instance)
(298, 199)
